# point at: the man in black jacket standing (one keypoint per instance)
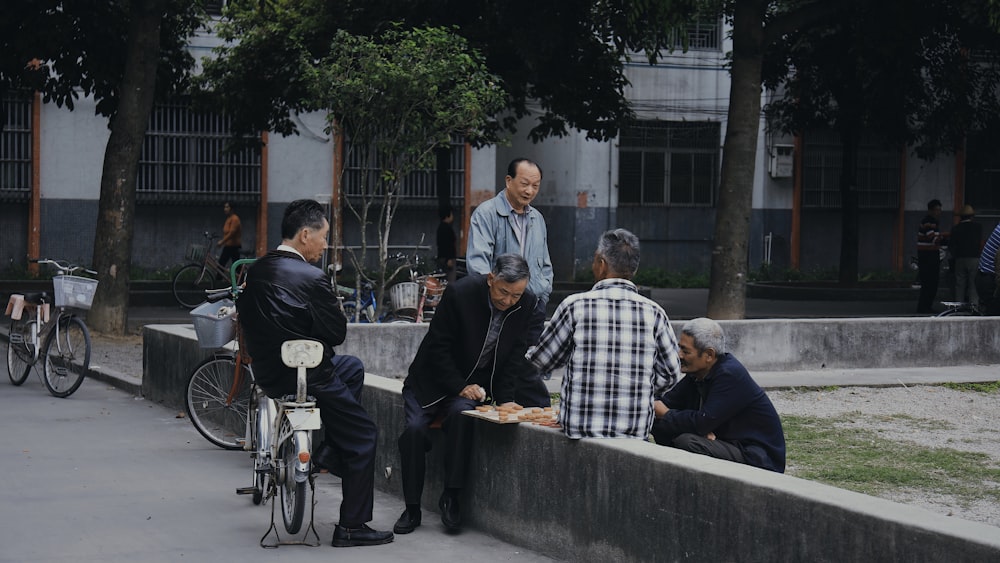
(473, 353)
(287, 298)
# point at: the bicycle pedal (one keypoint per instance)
(246, 490)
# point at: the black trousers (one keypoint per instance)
(414, 442)
(229, 255)
(349, 432)
(530, 390)
(694, 443)
(929, 263)
(986, 285)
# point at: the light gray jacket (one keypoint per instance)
(491, 233)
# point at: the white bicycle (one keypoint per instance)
(279, 439)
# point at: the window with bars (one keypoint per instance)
(702, 35)
(186, 156)
(418, 186)
(877, 178)
(15, 146)
(668, 163)
(214, 7)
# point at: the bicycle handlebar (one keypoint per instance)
(63, 266)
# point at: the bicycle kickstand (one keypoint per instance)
(272, 493)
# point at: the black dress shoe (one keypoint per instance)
(451, 513)
(408, 521)
(350, 537)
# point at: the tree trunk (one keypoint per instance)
(116, 211)
(849, 135)
(727, 289)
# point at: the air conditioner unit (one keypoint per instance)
(782, 161)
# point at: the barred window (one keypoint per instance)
(877, 178)
(702, 35)
(186, 156)
(668, 162)
(419, 185)
(15, 146)
(214, 7)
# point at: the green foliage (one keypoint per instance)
(80, 46)
(563, 67)
(854, 458)
(986, 387)
(655, 277)
(768, 274)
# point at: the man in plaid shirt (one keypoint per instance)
(618, 348)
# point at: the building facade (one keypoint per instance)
(659, 178)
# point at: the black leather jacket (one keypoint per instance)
(286, 298)
(450, 350)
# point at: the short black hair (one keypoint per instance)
(444, 212)
(299, 214)
(933, 203)
(512, 167)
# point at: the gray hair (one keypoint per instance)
(620, 249)
(706, 334)
(510, 268)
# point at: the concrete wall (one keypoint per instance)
(566, 498)
(170, 352)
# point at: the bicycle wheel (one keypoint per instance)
(20, 350)
(292, 482)
(67, 356)
(190, 283)
(961, 311)
(260, 444)
(220, 420)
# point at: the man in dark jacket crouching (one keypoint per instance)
(717, 409)
(473, 353)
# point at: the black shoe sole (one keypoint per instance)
(404, 530)
(359, 543)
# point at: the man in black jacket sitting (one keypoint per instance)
(473, 353)
(287, 298)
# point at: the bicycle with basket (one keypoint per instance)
(59, 340)
(232, 412)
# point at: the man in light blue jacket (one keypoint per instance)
(508, 224)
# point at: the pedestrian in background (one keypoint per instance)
(929, 256)
(965, 243)
(446, 244)
(232, 236)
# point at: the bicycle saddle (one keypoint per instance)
(37, 298)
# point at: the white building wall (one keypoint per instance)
(71, 150)
(301, 166)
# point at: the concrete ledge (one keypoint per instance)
(626, 500)
(171, 352)
(604, 500)
(769, 344)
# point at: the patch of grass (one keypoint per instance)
(857, 460)
(986, 387)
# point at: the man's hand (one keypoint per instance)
(659, 409)
(710, 436)
(474, 392)
(512, 405)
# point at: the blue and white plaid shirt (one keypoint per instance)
(619, 351)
